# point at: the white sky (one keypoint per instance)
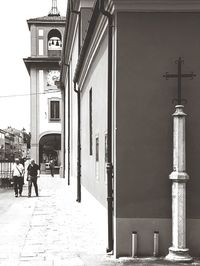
(14, 46)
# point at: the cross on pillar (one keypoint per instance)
(179, 76)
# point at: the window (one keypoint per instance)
(40, 32)
(41, 47)
(106, 157)
(54, 43)
(90, 120)
(54, 110)
(97, 149)
(106, 148)
(97, 157)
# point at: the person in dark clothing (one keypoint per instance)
(32, 175)
(52, 166)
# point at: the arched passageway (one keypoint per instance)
(50, 148)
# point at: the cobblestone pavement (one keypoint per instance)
(55, 230)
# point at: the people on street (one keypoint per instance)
(52, 166)
(32, 176)
(18, 177)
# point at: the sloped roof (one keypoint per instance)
(47, 19)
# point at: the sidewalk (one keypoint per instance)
(53, 229)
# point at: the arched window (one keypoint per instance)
(54, 43)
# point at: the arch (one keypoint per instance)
(50, 148)
(47, 133)
(54, 33)
(54, 41)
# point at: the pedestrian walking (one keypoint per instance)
(33, 174)
(52, 166)
(18, 177)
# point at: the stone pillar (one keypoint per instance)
(35, 152)
(178, 251)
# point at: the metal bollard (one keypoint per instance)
(134, 244)
(156, 244)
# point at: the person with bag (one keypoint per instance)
(33, 173)
(18, 177)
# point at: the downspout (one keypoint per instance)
(78, 144)
(79, 114)
(109, 129)
(69, 121)
(64, 108)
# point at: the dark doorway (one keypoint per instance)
(50, 148)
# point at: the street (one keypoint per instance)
(55, 230)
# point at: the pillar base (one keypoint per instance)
(179, 255)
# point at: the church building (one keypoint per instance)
(44, 70)
(119, 119)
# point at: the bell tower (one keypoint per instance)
(45, 101)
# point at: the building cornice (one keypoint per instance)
(87, 42)
(42, 62)
(69, 37)
(41, 22)
(100, 33)
(156, 5)
(88, 51)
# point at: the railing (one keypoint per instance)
(6, 174)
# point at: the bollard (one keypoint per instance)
(134, 244)
(156, 244)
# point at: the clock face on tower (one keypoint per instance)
(52, 77)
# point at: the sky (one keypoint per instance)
(14, 46)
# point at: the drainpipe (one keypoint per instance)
(79, 113)
(64, 108)
(68, 120)
(78, 144)
(69, 136)
(109, 129)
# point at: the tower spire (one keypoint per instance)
(54, 9)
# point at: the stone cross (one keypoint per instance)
(178, 252)
(179, 76)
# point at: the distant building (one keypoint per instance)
(9, 147)
(44, 70)
(17, 143)
(2, 145)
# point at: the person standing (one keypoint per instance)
(33, 173)
(52, 166)
(18, 177)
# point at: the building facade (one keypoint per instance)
(44, 70)
(16, 143)
(2, 145)
(118, 134)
